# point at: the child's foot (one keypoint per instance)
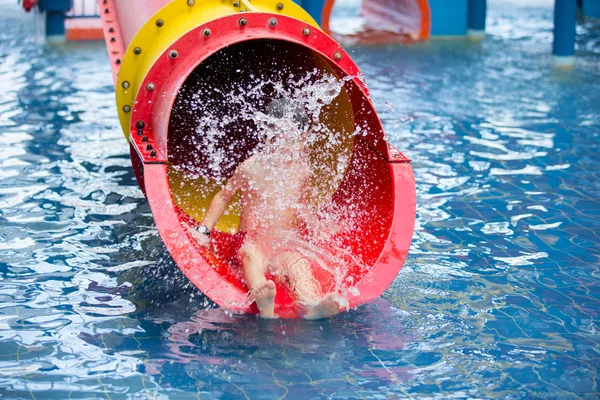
(327, 307)
(264, 295)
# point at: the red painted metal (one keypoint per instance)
(80, 29)
(425, 19)
(29, 4)
(112, 35)
(187, 253)
(397, 243)
(379, 181)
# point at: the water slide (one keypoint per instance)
(400, 20)
(167, 55)
(401, 17)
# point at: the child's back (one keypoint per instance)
(272, 185)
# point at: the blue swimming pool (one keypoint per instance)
(499, 298)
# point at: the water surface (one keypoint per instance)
(499, 297)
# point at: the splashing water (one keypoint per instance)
(288, 178)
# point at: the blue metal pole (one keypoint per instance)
(563, 47)
(55, 24)
(56, 11)
(591, 8)
(448, 17)
(476, 19)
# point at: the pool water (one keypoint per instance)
(499, 298)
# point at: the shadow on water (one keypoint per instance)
(160, 287)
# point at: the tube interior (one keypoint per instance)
(211, 133)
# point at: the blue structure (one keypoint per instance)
(591, 8)
(448, 17)
(313, 7)
(56, 13)
(563, 47)
(476, 19)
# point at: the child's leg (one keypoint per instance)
(327, 307)
(262, 290)
(296, 271)
(296, 268)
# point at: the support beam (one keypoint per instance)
(56, 11)
(476, 19)
(563, 48)
(591, 8)
(55, 26)
(448, 18)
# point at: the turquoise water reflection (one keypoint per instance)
(499, 297)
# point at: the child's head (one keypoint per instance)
(283, 118)
(284, 108)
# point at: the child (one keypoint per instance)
(273, 184)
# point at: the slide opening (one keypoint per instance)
(213, 128)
